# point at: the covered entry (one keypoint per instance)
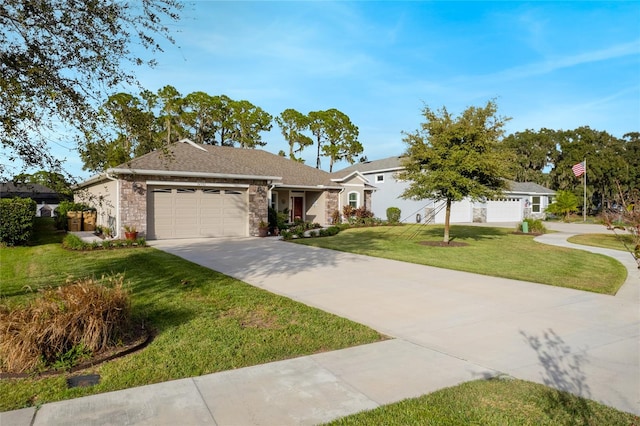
(188, 212)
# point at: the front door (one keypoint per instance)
(297, 212)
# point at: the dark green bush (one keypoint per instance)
(393, 215)
(17, 217)
(535, 226)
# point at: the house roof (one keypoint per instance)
(35, 191)
(529, 188)
(187, 158)
(365, 167)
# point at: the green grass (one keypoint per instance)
(205, 321)
(490, 251)
(493, 402)
(622, 242)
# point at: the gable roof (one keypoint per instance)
(366, 167)
(35, 191)
(529, 188)
(186, 158)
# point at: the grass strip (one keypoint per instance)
(493, 402)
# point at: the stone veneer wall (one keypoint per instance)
(133, 204)
(133, 199)
(258, 207)
(332, 204)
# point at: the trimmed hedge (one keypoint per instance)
(393, 215)
(17, 217)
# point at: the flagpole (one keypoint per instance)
(584, 202)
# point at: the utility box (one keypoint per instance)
(525, 227)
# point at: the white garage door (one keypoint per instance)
(504, 210)
(196, 212)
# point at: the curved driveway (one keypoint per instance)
(573, 340)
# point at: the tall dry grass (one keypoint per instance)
(87, 313)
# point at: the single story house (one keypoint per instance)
(522, 200)
(46, 198)
(189, 190)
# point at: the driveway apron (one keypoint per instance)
(577, 341)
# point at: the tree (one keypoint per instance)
(59, 56)
(52, 180)
(171, 113)
(342, 138)
(248, 121)
(533, 152)
(199, 116)
(336, 136)
(129, 130)
(565, 203)
(605, 165)
(450, 158)
(292, 123)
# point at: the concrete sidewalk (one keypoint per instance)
(449, 327)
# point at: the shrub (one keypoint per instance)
(286, 234)
(73, 242)
(535, 225)
(16, 222)
(336, 219)
(65, 323)
(393, 215)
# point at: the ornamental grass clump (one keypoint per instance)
(84, 317)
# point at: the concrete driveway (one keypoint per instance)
(585, 343)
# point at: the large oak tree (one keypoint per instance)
(450, 158)
(58, 59)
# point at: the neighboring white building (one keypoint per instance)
(523, 200)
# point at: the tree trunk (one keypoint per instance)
(447, 216)
(318, 157)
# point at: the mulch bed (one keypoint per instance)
(442, 244)
(143, 338)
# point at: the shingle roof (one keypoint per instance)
(370, 166)
(195, 158)
(529, 188)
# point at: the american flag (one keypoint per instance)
(578, 169)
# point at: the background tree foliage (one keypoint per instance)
(546, 157)
(450, 158)
(336, 136)
(58, 57)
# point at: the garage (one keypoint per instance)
(188, 212)
(504, 210)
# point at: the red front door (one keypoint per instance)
(297, 209)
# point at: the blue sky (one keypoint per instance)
(547, 64)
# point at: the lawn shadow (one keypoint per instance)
(563, 374)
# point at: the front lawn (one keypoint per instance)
(488, 251)
(493, 402)
(205, 321)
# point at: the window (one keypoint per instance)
(274, 200)
(186, 191)
(535, 204)
(229, 192)
(353, 199)
(162, 190)
(379, 178)
(211, 191)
